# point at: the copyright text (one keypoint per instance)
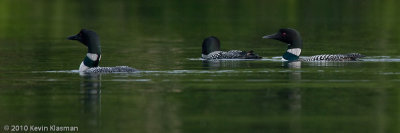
(40, 128)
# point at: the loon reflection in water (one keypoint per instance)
(91, 99)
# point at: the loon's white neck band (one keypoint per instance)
(295, 51)
(204, 56)
(92, 57)
(291, 54)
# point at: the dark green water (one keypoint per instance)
(178, 93)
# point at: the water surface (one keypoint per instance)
(178, 92)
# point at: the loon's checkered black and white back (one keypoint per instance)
(232, 54)
(211, 50)
(110, 69)
(334, 57)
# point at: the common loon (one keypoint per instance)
(211, 50)
(293, 39)
(90, 63)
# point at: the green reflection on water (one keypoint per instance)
(176, 94)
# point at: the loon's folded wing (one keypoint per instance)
(334, 57)
(116, 69)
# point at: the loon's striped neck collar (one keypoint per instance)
(91, 60)
(292, 54)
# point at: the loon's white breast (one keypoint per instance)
(92, 57)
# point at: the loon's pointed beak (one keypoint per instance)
(272, 36)
(74, 37)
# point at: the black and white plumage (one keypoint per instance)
(110, 69)
(211, 50)
(333, 57)
(90, 64)
(231, 54)
(293, 39)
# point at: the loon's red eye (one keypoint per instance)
(284, 34)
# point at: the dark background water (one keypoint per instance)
(177, 92)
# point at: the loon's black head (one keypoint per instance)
(210, 44)
(289, 36)
(292, 38)
(88, 38)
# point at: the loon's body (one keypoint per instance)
(333, 57)
(231, 54)
(90, 63)
(211, 50)
(293, 39)
(110, 69)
